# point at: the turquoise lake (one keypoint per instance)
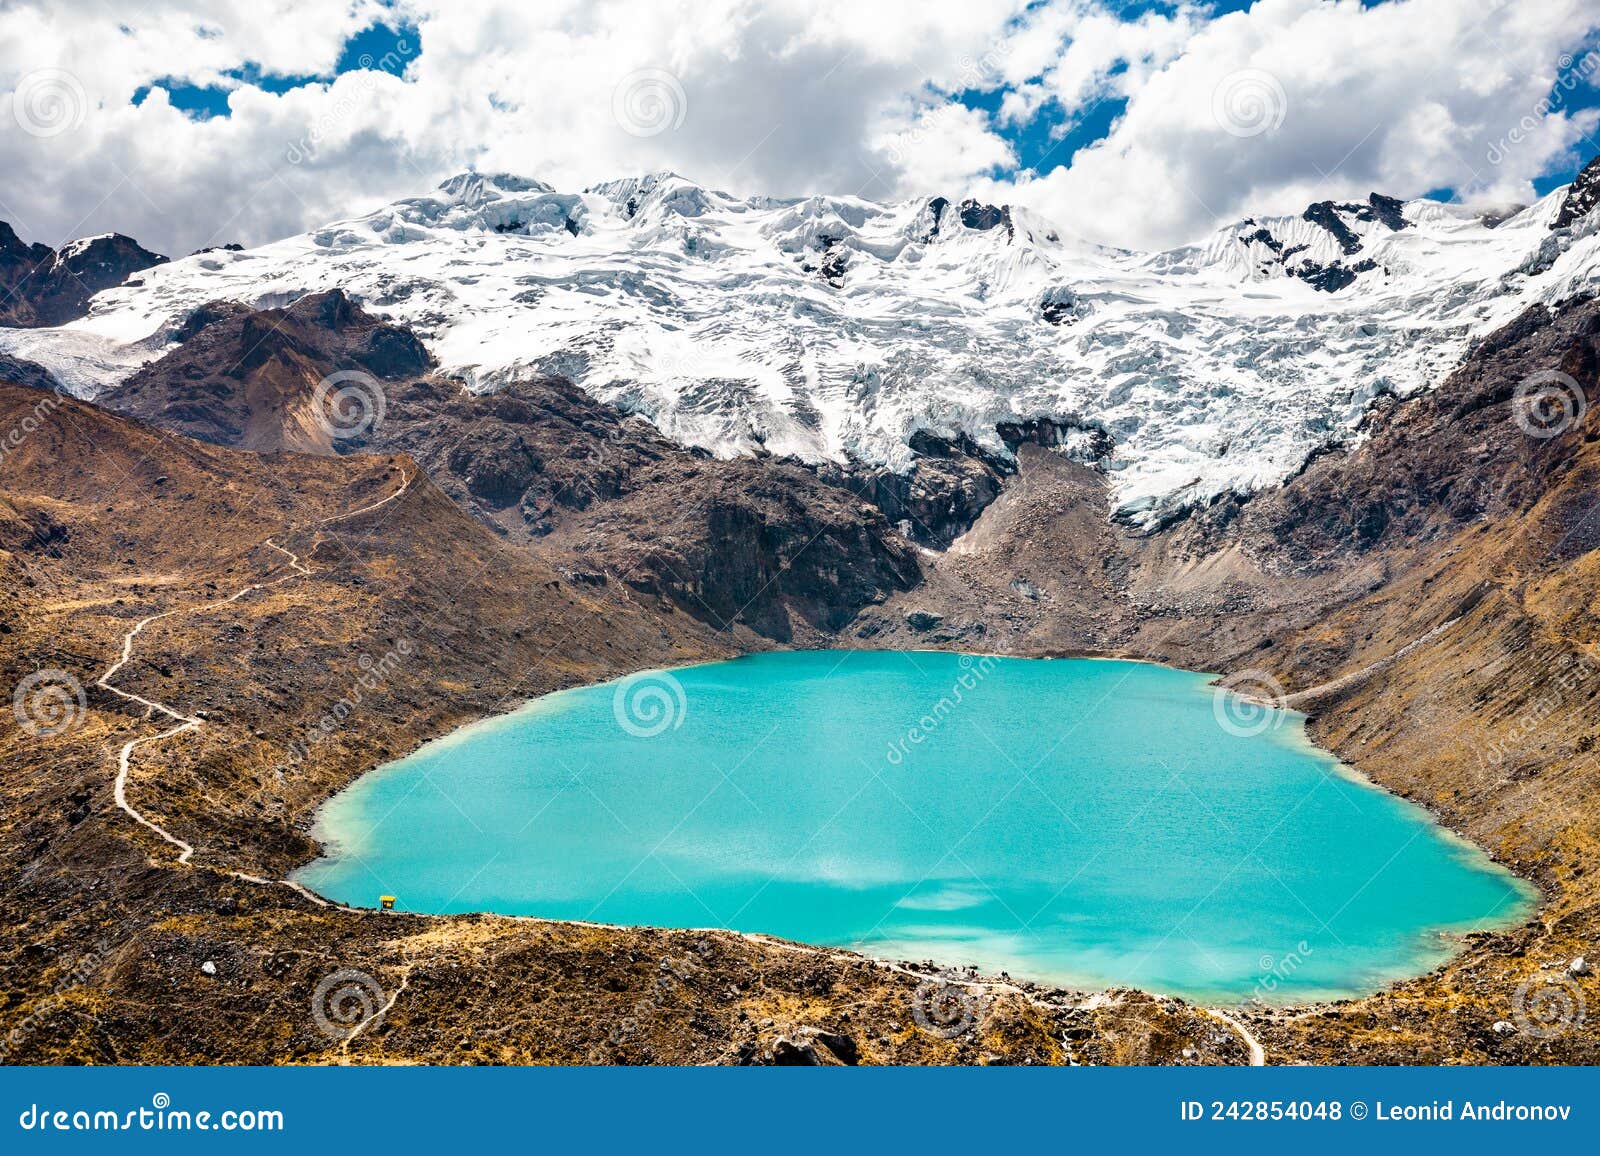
(1081, 822)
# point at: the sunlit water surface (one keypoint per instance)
(1080, 822)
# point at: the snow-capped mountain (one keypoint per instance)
(831, 328)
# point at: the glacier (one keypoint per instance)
(833, 328)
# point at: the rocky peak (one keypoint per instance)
(1582, 196)
(1333, 217)
(249, 378)
(42, 287)
(982, 218)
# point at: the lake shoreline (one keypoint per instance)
(1455, 933)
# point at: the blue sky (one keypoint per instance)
(1048, 141)
(371, 48)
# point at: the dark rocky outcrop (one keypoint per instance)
(1582, 196)
(1330, 216)
(975, 215)
(20, 371)
(1326, 214)
(249, 378)
(754, 544)
(41, 286)
(950, 482)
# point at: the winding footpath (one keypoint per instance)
(1303, 698)
(1258, 1054)
(298, 569)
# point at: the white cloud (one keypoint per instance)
(782, 97)
(1405, 97)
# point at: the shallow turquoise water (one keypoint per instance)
(1074, 821)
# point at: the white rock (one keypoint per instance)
(208, 967)
(1504, 1028)
(1579, 966)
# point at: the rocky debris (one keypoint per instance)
(41, 286)
(922, 620)
(809, 1047)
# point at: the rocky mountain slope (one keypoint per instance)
(757, 544)
(41, 286)
(368, 598)
(1423, 584)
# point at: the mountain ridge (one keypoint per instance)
(834, 330)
